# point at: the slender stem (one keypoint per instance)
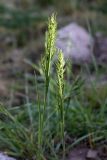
(62, 126)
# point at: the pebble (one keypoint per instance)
(92, 155)
(5, 157)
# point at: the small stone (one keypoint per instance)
(92, 155)
(5, 157)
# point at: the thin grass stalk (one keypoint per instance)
(40, 137)
(39, 122)
(50, 49)
(60, 83)
(62, 114)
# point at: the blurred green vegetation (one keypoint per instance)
(26, 16)
(26, 13)
(27, 19)
(11, 18)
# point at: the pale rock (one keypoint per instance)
(76, 43)
(5, 157)
(92, 155)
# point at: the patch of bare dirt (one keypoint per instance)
(82, 152)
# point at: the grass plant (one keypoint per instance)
(39, 131)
